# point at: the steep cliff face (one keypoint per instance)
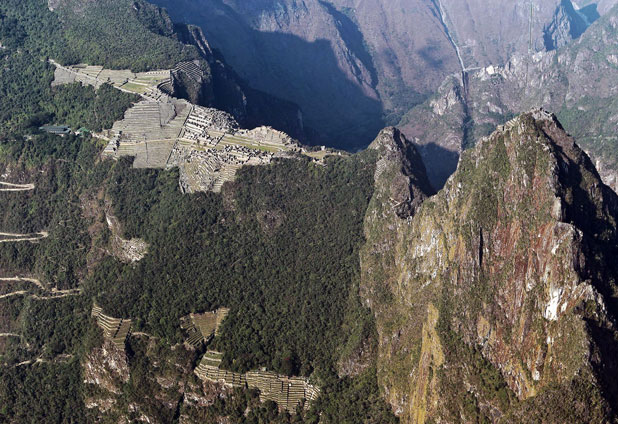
(137, 34)
(496, 299)
(400, 179)
(302, 51)
(212, 82)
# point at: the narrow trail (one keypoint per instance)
(58, 294)
(17, 293)
(4, 186)
(54, 293)
(13, 237)
(25, 279)
(9, 335)
(38, 361)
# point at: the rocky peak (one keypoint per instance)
(566, 25)
(496, 296)
(400, 172)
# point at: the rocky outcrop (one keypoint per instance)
(212, 82)
(150, 383)
(566, 25)
(192, 81)
(107, 368)
(374, 54)
(401, 168)
(128, 251)
(493, 301)
(401, 187)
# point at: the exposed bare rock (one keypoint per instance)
(498, 292)
(107, 368)
(382, 56)
(129, 251)
(577, 81)
(402, 168)
(566, 26)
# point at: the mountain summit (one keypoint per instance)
(496, 300)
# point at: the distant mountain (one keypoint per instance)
(382, 57)
(460, 269)
(578, 81)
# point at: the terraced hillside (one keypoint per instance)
(287, 392)
(201, 328)
(115, 329)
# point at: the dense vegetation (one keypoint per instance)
(279, 246)
(271, 248)
(281, 250)
(27, 99)
(43, 393)
(117, 34)
(121, 34)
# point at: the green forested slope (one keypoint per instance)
(279, 246)
(121, 34)
(280, 249)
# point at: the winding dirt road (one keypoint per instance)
(54, 293)
(4, 186)
(12, 237)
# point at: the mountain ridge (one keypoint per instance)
(475, 274)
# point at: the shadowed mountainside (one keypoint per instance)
(355, 65)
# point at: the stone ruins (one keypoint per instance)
(146, 84)
(202, 328)
(207, 145)
(115, 329)
(287, 392)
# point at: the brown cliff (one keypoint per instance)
(495, 300)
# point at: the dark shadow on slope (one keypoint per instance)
(288, 67)
(590, 12)
(354, 39)
(432, 56)
(568, 24)
(309, 75)
(440, 163)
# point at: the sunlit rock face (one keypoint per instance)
(494, 298)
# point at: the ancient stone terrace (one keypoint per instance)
(148, 132)
(146, 84)
(203, 327)
(287, 392)
(209, 370)
(191, 69)
(114, 329)
(206, 144)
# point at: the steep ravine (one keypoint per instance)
(443, 20)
